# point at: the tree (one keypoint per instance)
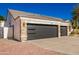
(2, 18)
(75, 21)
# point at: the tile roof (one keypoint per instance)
(16, 13)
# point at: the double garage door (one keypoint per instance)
(39, 31)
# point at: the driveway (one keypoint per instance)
(66, 45)
(11, 47)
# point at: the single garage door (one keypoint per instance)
(63, 30)
(38, 31)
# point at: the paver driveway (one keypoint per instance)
(67, 45)
(11, 47)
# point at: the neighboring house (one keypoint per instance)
(2, 23)
(27, 26)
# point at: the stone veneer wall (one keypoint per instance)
(23, 30)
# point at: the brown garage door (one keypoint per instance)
(63, 30)
(38, 31)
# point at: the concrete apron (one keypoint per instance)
(66, 45)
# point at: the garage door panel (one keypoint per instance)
(41, 31)
(63, 31)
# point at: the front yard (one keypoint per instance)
(49, 46)
(11, 47)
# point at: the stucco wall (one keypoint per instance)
(9, 21)
(17, 29)
(14, 27)
(10, 32)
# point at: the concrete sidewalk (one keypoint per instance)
(67, 45)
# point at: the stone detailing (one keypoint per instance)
(23, 31)
(68, 31)
(59, 34)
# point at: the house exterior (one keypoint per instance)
(27, 26)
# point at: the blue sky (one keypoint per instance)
(59, 10)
